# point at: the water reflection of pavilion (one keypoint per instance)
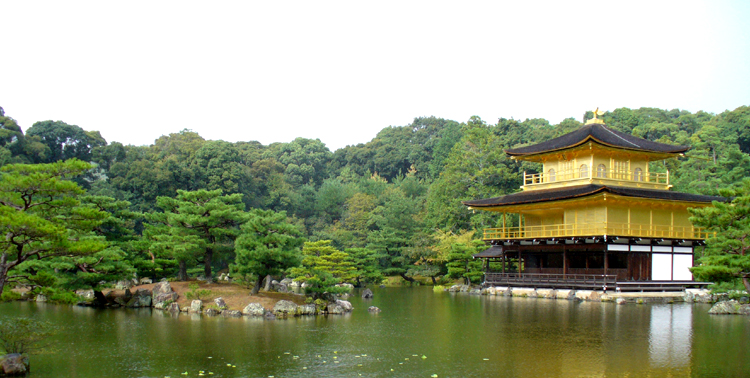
(670, 335)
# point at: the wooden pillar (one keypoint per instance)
(606, 263)
(565, 261)
(503, 262)
(519, 261)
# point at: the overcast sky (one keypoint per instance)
(272, 71)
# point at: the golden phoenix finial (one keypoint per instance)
(596, 112)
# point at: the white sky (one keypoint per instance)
(272, 71)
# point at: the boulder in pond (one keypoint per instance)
(196, 306)
(231, 313)
(14, 364)
(141, 298)
(366, 293)
(174, 308)
(285, 308)
(730, 307)
(340, 307)
(373, 309)
(308, 309)
(254, 309)
(211, 312)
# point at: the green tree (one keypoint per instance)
(366, 264)
(322, 268)
(42, 217)
(268, 245)
(462, 264)
(65, 141)
(727, 254)
(204, 220)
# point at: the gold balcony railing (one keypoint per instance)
(651, 179)
(598, 229)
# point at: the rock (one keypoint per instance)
(282, 288)
(211, 312)
(475, 292)
(123, 285)
(308, 309)
(595, 296)
(14, 364)
(285, 308)
(174, 308)
(196, 306)
(287, 281)
(730, 307)
(620, 301)
(745, 309)
(87, 295)
(141, 298)
(125, 298)
(163, 294)
(41, 298)
(220, 303)
(347, 286)
(524, 292)
(744, 300)
(547, 293)
(373, 309)
(343, 296)
(367, 294)
(231, 313)
(334, 308)
(346, 305)
(163, 287)
(339, 307)
(254, 309)
(268, 315)
(294, 284)
(145, 281)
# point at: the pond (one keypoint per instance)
(419, 333)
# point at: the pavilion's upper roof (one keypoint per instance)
(599, 133)
(557, 194)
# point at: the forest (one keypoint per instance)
(78, 211)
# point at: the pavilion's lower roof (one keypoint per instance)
(557, 194)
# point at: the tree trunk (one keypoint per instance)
(746, 282)
(3, 277)
(207, 265)
(256, 288)
(405, 277)
(268, 283)
(434, 282)
(182, 272)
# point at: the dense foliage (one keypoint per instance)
(186, 206)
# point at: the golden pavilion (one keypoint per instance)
(596, 217)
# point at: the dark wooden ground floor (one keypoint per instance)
(589, 265)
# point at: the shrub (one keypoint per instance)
(195, 293)
(9, 295)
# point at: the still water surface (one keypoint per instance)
(459, 335)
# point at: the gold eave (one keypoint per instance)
(590, 200)
(582, 146)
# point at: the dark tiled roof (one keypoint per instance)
(600, 133)
(494, 251)
(545, 195)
